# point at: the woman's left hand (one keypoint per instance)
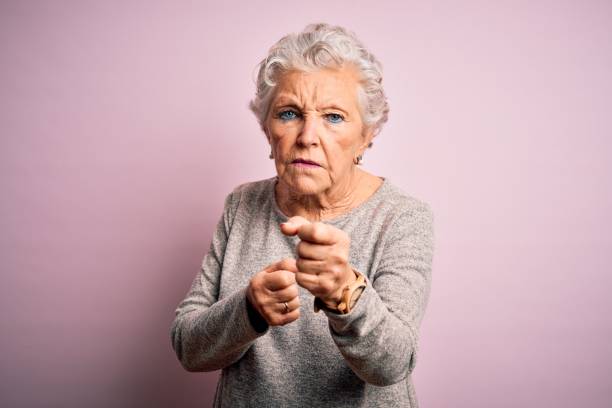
(323, 253)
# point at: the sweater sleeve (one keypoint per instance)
(209, 334)
(379, 337)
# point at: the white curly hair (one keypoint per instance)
(319, 46)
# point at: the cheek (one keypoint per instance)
(339, 149)
(282, 137)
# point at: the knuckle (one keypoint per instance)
(274, 320)
(318, 230)
(299, 279)
(325, 286)
(285, 263)
(268, 284)
(271, 278)
(290, 277)
(336, 271)
(280, 281)
(284, 280)
(264, 277)
(341, 257)
(291, 316)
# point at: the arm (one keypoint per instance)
(379, 337)
(209, 334)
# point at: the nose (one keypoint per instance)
(309, 133)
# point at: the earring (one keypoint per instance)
(271, 156)
(358, 159)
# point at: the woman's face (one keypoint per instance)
(315, 116)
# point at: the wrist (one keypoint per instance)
(349, 295)
(257, 321)
(336, 298)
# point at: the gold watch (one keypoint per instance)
(349, 297)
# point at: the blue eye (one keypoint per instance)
(287, 115)
(335, 118)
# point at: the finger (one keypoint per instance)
(278, 280)
(307, 281)
(293, 224)
(287, 264)
(308, 250)
(292, 304)
(311, 266)
(317, 285)
(286, 294)
(279, 319)
(319, 233)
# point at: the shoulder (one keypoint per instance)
(405, 211)
(397, 201)
(253, 191)
(255, 187)
(252, 194)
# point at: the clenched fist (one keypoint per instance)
(323, 252)
(274, 293)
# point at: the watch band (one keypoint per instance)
(350, 294)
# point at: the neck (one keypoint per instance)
(317, 207)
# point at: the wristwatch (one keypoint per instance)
(349, 297)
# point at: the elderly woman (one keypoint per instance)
(316, 280)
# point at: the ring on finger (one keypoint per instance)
(286, 307)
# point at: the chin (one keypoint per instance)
(304, 185)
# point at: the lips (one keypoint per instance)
(305, 161)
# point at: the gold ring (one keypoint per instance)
(286, 307)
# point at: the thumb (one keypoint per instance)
(290, 264)
(287, 264)
(293, 225)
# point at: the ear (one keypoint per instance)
(368, 135)
(264, 128)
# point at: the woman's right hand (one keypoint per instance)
(270, 288)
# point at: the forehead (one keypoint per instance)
(320, 86)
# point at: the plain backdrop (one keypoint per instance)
(125, 123)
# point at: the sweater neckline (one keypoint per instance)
(339, 218)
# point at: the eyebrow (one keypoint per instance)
(287, 101)
(333, 106)
(283, 101)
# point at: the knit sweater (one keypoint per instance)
(361, 359)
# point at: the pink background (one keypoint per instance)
(124, 124)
